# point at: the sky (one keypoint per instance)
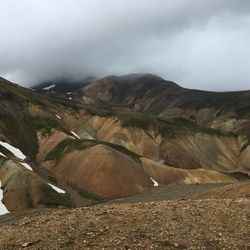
(196, 43)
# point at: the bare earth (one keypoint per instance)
(187, 224)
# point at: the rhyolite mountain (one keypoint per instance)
(116, 137)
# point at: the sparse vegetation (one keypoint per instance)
(145, 122)
(9, 123)
(20, 131)
(45, 124)
(166, 127)
(68, 145)
(59, 150)
(86, 194)
(120, 148)
(66, 103)
(99, 109)
(52, 198)
(191, 126)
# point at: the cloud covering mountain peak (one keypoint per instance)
(199, 44)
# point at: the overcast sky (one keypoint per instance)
(202, 44)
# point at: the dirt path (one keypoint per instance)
(162, 193)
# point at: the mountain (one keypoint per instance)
(154, 95)
(62, 85)
(116, 137)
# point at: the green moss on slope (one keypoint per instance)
(68, 145)
(86, 194)
(59, 150)
(195, 128)
(9, 123)
(52, 198)
(19, 130)
(45, 124)
(165, 127)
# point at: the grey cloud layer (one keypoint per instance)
(197, 43)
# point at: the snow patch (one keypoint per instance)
(75, 135)
(70, 98)
(58, 117)
(3, 208)
(58, 190)
(49, 87)
(26, 165)
(15, 151)
(1, 154)
(156, 184)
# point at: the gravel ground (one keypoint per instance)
(187, 224)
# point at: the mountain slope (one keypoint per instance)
(148, 93)
(94, 146)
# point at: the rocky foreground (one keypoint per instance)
(184, 224)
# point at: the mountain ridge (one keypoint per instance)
(103, 125)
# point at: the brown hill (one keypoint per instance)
(101, 170)
(23, 189)
(168, 175)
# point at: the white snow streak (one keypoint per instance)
(58, 190)
(49, 87)
(76, 135)
(26, 165)
(17, 152)
(3, 208)
(156, 184)
(1, 154)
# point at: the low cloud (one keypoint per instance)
(198, 44)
